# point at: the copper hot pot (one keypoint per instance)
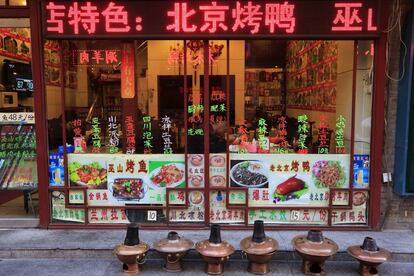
(314, 249)
(132, 252)
(214, 251)
(259, 249)
(369, 256)
(173, 249)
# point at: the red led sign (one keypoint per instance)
(203, 19)
(96, 57)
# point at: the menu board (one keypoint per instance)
(17, 156)
(294, 181)
(116, 179)
(290, 179)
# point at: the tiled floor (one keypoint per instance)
(15, 209)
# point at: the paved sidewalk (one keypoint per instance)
(400, 243)
(90, 252)
(112, 267)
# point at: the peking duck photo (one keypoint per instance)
(291, 188)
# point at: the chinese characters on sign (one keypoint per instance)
(85, 16)
(147, 134)
(17, 156)
(166, 134)
(96, 135)
(195, 119)
(95, 57)
(303, 130)
(243, 137)
(78, 139)
(323, 141)
(130, 134)
(281, 135)
(339, 134)
(348, 18)
(113, 142)
(262, 131)
(141, 179)
(128, 71)
(17, 117)
(169, 18)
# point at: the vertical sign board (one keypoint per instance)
(129, 114)
(128, 71)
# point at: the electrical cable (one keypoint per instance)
(395, 16)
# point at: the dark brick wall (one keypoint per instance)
(397, 212)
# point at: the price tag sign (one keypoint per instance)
(152, 215)
(17, 118)
(294, 215)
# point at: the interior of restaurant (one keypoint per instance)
(268, 79)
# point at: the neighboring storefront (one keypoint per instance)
(284, 133)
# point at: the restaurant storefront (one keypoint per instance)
(206, 112)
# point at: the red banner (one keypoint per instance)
(128, 71)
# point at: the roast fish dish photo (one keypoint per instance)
(128, 189)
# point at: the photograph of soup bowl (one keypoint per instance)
(196, 198)
(250, 174)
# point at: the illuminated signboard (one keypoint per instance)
(204, 19)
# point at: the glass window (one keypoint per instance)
(291, 142)
(287, 133)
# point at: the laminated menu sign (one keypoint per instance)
(60, 212)
(220, 214)
(194, 212)
(289, 216)
(17, 117)
(357, 214)
(107, 215)
(114, 180)
(290, 179)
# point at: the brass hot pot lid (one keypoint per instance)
(214, 246)
(258, 243)
(173, 243)
(129, 250)
(369, 252)
(215, 250)
(314, 244)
